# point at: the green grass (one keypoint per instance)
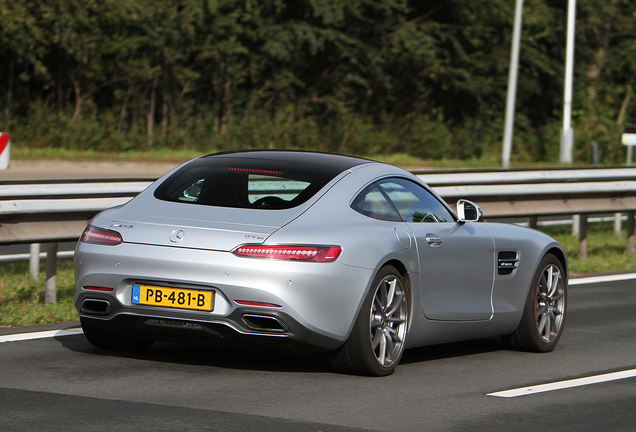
(22, 300)
(606, 251)
(178, 156)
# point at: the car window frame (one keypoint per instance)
(365, 191)
(206, 170)
(426, 188)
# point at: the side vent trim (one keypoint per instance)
(508, 262)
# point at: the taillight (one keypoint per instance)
(99, 288)
(100, 236)
(289, 252)
(256, 303)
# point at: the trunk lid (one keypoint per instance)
(161, 223)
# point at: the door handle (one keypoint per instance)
(433, 240)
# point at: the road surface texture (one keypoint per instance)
(63, 383)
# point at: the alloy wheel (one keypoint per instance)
(550, 303)
(389, 320)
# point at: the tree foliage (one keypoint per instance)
(425, 77)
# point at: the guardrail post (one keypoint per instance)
(34, 261)
(630, 231)
(582, 236)
(575, 225)
(618, 223)
(50, 293)
(532, 222)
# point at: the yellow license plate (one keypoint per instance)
(173, 297)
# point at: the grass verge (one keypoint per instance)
(179, 156)
(22, 299)
(607, 252)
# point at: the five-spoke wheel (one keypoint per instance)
(389, 320)
(544, 313)
(377, 340)
(550, 303)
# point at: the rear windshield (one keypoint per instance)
(245, 183)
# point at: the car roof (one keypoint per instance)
(315, 158)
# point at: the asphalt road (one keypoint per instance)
(65, 384)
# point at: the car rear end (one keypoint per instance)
(189, 258)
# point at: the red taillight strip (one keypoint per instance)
(101, 236)
(289, 252)
(98, 288)
(256, 303)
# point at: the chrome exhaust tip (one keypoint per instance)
(264, 323)
(95, 307)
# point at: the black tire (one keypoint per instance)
(544, 314)
(107, 340)
(377, 340)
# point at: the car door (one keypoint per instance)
(456, 258)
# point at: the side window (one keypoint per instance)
(373, 202)
(413, 202)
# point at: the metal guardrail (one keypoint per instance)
(563, 175)
(34, 212)
(531, 194)
(37, 212)
(579, 193)
(58, 211)
(547, 199)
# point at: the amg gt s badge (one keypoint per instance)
(118, 225)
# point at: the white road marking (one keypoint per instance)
(40, 335)
(600, 279)
(560, 385)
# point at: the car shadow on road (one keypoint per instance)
(454, 349)
(225, 358)
(196, 355)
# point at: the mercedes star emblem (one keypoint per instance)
(177, 236)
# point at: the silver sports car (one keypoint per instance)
(312, 252)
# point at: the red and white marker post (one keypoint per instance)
(5, 147)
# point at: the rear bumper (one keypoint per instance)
(222, 332)
(318, 302)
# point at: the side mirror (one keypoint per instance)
(468, 211)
